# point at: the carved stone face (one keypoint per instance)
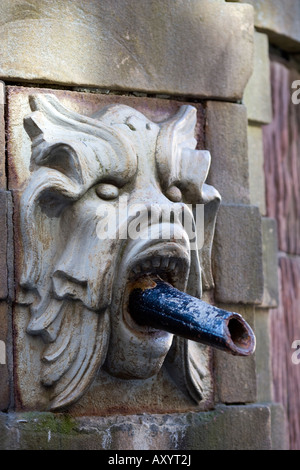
(78, 213)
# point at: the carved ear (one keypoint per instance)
(181, 164)
(51, 147)
(54, 145)
(79, 147)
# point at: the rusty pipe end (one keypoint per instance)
(240, 337)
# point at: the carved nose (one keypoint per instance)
(158, 216)
(157, 304)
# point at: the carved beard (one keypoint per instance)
(81, 282)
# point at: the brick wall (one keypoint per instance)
(282, 181)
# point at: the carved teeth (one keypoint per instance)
(164, 262)
(156, 262)
(172, 264)
(164, 266)
(146, 265)
(136, 269)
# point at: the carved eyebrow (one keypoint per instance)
(116, 166)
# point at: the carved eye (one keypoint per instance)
(107, 191)
(174, 194)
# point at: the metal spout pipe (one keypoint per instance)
(157, 304)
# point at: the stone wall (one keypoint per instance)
(155, 55)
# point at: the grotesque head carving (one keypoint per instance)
(84, 171)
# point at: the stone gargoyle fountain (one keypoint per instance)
(114, 259)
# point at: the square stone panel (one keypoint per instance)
(107, 394)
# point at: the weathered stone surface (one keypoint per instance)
(5, 350)
(226, 139)
(280, 19)
(279, 428)
(256, 168)
(263, 355)
(201, 49)
(235, 377)
(38, 370)
(225, 428)
(257, 96)
(270, 262)
(237, 255)
(2, 137)
(282, 163)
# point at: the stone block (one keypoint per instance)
(256, 168)
(237, 255)
(279, 433)
(202, 49)
(235, 377)
(280, 20)
(263, 355)
(257, 96)
(270, 263)
(2, 137)
(225, 428)
(5, 361)
(226, 139)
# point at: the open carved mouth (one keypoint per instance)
(169, 262)
(136, 350)
(154, 303)
(150, 306)
(172, 269)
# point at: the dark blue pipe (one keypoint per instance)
(159, 305)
